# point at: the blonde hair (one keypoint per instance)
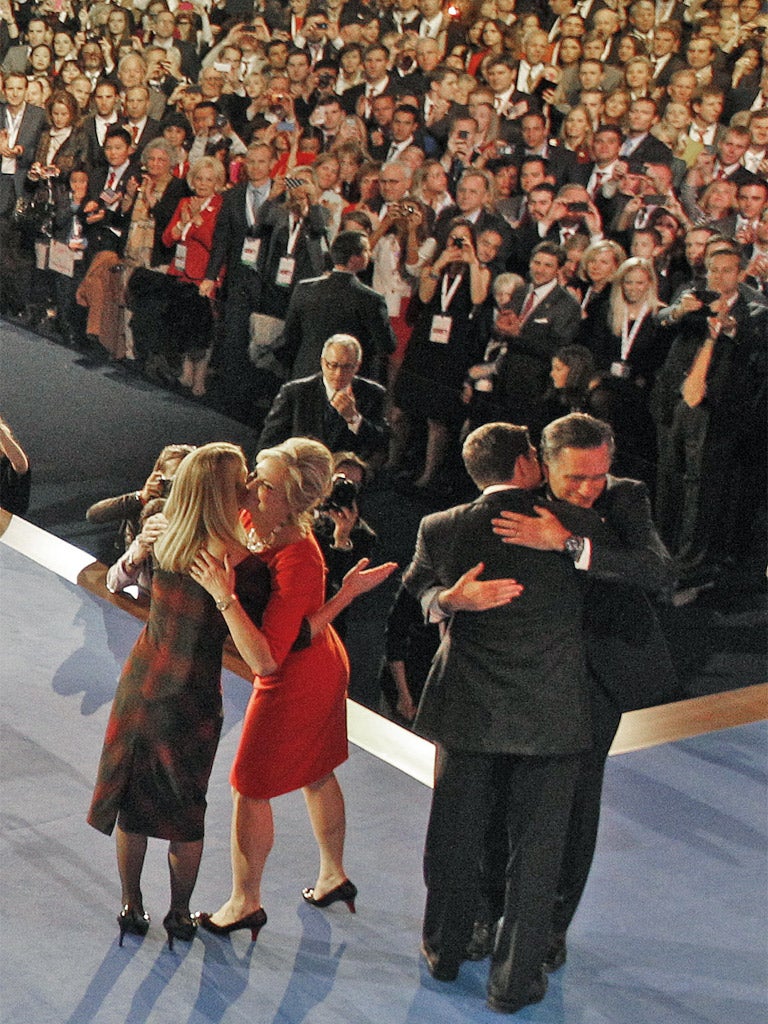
(618, 304)
(309, 469)
(204, 503)
(604, 245)
(213, 164)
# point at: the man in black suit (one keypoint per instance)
(473, 199)
(628, 661)
(639, 145)
(506, 702)
(665, 53)
(22, 125)
(163, 34)
(543, 317)
(95, 126)
(236, 248)
(344, 411)
(709, 407)
(560, 162)
(337, 304)
(136, 119)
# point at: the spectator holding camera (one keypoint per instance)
(400, 247)
(127, 508)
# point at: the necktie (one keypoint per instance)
(720, 176)
(135, 132)
(111, 180)
(695, 384)
(525, 312)
(599, 175)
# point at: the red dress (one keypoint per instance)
(295, 727)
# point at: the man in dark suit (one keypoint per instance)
(95, 126)
(506, 702)
(639, 145)
(709, 407)
(628, 661)
(22, 125)
(236, 249)
(543, 317)
(473, 199)
(344, 411)
(136, 119)
(337, 304)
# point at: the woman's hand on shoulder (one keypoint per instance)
(218, 578)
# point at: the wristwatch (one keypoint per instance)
(574, 546)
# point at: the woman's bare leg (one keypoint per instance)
(325, 803)
(252, 836)
(437, 442)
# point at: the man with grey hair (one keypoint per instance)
(505, 700)
(344, 411)
(627, 658)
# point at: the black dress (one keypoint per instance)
(430, 380)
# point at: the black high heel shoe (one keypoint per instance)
(254, 921)
(132, 921)
(346, 892)
(179, 925)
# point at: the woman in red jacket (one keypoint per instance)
(191, 231)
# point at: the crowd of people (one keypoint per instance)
(516, 208)
(405, 229)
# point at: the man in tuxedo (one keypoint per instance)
(543, 317)
(506, 702)
(17, 57)
(560, 162)
(336, 406)
(337, 304)
(376, 80)
(629, 664)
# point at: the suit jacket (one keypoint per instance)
(626, 650)
(337, 303)
(509, 680)
(149, 132)
(28, 136)
(302, 409)
(310, 252)
(231, 230)
(93, 151)
(651, 151)
(524, 371)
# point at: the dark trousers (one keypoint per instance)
(581, 834)
(696, 474)
(536, 793)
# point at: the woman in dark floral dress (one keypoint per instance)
(166, 718)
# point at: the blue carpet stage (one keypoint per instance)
(671, 930)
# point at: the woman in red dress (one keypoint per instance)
(294, 733)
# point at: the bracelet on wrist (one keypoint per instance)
(222, 605)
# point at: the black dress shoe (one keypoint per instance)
(556, 952)
(534, 994)
(481, 944)
(437, 967)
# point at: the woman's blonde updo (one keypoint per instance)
(309, 469)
